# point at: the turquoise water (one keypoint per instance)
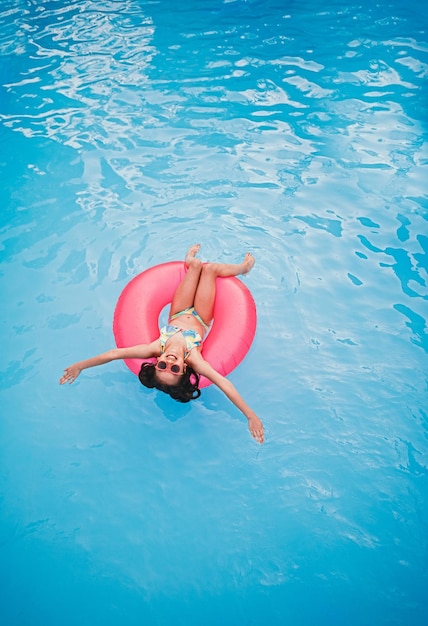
(296, 130)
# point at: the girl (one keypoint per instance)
(178, 349)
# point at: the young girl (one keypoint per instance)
(178, 349)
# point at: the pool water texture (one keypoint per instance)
(131, 129)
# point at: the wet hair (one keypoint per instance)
(185, 390)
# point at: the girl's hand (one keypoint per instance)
(256, 428)
(70, 374)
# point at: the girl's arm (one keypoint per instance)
(143, 351)
(205, 369)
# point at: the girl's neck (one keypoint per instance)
(175, 345)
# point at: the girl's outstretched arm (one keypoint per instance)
(205, 369)
(143, 351)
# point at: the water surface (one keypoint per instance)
(131, 129)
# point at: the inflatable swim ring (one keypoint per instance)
(136, 316)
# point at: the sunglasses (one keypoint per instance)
(163, 366)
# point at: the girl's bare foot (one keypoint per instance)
(192, 252)
(248, 263)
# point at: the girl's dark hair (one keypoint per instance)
(186, 389)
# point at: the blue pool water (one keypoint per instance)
(296, 130)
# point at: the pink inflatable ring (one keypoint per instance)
(136, 317)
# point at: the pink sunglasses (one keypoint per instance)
(164, 366)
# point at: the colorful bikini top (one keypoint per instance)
(191, 337)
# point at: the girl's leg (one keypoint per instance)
(205, 292)
(184, 295)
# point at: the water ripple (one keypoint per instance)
(132, 128)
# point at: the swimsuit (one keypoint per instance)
(190, 311)
(191, 337)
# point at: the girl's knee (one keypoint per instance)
(195, 265)
(210, 269)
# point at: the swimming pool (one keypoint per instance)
(131, 129)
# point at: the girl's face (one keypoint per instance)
(169, 369)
